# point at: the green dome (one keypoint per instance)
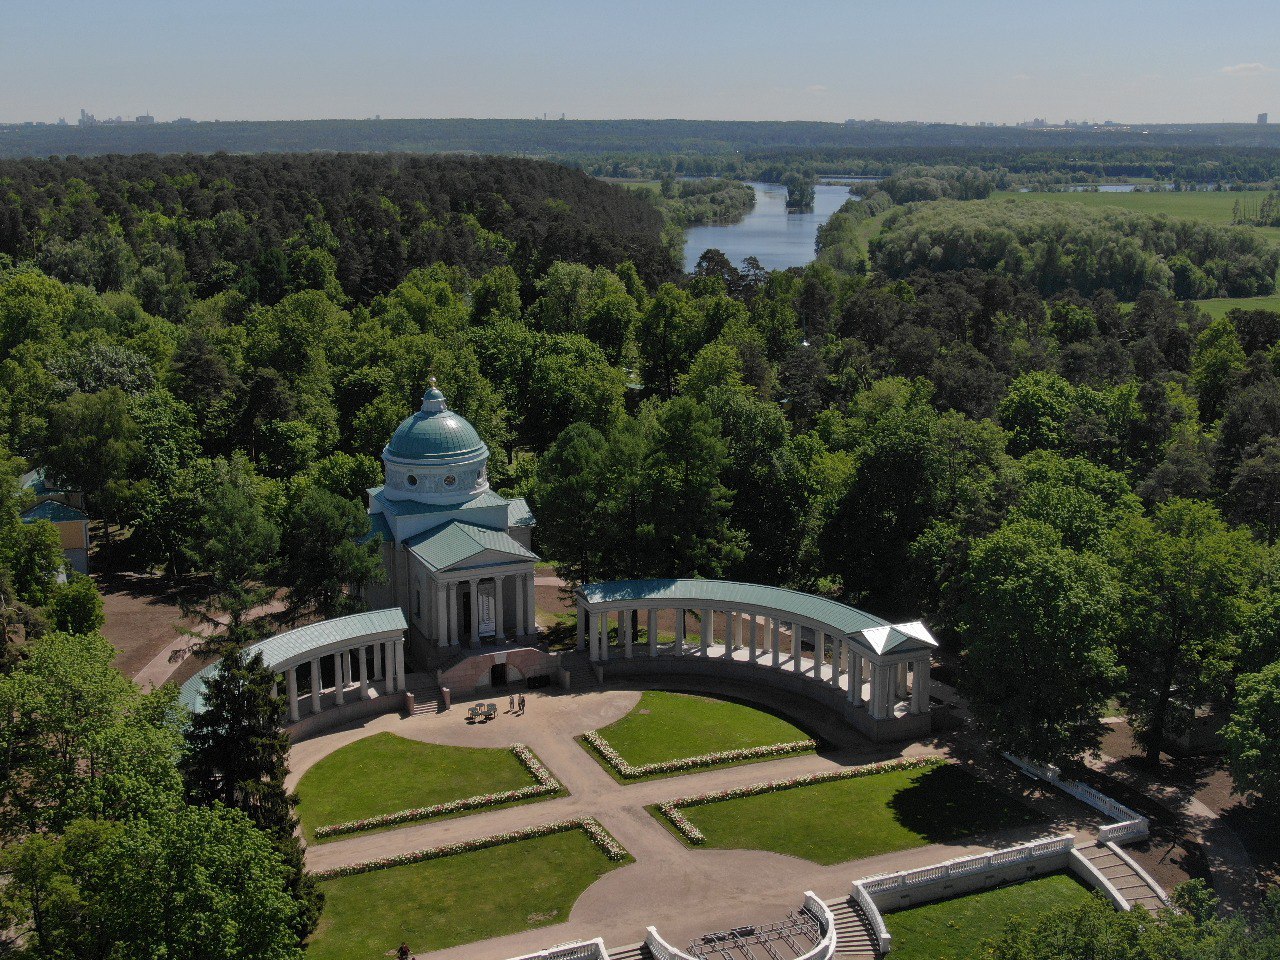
(436, 435)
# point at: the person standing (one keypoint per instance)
(522, 704)
(511, 703)
(403, 953)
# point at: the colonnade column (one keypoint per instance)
(442, 626)
(340, 676)
(499, 625)
(583, 616)
(651, 628)
(732, 632)
(362, 672)
(773, 641)
(855, 678)
(473, 586)
(708, 625)
(920, 683)
(389, 674)
(400, 684)
(291, 685)
(752, 640)
(819, 653)
(377, 661)
(317, 686)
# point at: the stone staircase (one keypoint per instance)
(637, 951)
(1127, 882)
(582, 676)
(426, 695)
(853, 934)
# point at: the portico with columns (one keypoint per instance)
(457, 556)
(875, 673)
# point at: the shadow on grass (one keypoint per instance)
(946, 803)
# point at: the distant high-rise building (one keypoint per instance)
(145, 118)
(1262, 118)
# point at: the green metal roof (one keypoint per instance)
(378, 527)
(54, 512)
(863, 627)
(457, 542)
(413, 508)
(520, 515)
(292, 644)
(436, 436)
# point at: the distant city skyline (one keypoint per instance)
(996, 62)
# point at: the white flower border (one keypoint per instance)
(546, 785)
(629, 771)
(671, 809)
(598, 835)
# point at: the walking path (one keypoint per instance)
(682, 891)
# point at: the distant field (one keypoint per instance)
(1219, 306)
(1211, 207)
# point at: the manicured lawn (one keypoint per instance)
(456, 900)
(1218, 306)
(385, 773)
(670, 726)
(956, 929)
(849, 819)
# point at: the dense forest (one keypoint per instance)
(215, 349)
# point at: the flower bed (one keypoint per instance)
(671, 809)
(590, 826)
(629, 771)
(546, 785)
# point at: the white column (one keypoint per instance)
(752, 640)
(582, 628)
(819, 653)
(389, 672)
(708, 625)
(652, 629)
(837, 651)
(532, 601)
(775, 646)
(317, 687)
(500, 627)
(920, 682)
(362, 672)
(731, 632)
(855, 677)
(593, 632)
(442, 622)
(451, 611)
(340, 676)
(474, 590)
(291, 684)
(680, 631)
(624, 627)
(902, 680)
(377, 662)
(876, 704)
(400, 664)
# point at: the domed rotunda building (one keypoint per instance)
(457, 555)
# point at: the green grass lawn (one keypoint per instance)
(1209, 206)
(1218, 306)
(670, 726)
(956, 929)
(849, 819)
(385, 773)
(456, 900)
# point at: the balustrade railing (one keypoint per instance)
(963, 866)
(1129, 825)
(884, 941)
(826, 946)
(662, 950)
(583, 950)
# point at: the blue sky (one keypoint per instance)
(803, 59)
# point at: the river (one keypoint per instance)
(769, 233)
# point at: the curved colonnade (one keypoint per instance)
(876, 674)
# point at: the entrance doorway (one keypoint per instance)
(498, 675)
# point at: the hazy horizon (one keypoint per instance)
(813, 60)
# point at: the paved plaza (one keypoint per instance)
(684, 892)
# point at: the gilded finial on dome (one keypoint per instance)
(433, 400)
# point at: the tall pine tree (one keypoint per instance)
(238, 757)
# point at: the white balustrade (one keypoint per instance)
(582, 950)
(826, 946)
(884, 940)
(1129, 825)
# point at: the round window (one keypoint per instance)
(411, 480)
(450, 480)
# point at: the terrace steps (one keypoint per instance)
(426, 695)
(853, 934)
(1128, 883)
(637, 951)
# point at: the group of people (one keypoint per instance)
(515, 704)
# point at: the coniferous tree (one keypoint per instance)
(239, 757)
